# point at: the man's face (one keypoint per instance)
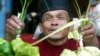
(53, 20)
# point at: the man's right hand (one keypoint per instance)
(12, 24)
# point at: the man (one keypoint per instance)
(54, 14)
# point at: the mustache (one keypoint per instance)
(54, 28)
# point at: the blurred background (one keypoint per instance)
(5, 7)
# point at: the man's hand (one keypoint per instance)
(12, 24)
(89, 37)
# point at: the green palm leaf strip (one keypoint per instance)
(23, 14)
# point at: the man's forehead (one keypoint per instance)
(55, 12)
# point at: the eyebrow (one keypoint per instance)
(47, 15)
(60, 14)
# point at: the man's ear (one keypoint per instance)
(41, 28)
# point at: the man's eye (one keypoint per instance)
(61, 18)
(47, 19)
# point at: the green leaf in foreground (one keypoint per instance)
(24, 49)
(5, 48)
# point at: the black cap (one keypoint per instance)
(49, 5)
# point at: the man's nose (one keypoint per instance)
(54, 23)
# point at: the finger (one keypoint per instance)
(10, 31)
(8, 27)
(22, 26)
(12, 23)
(88, 26)
(17, 20)
(88, 32)
(88, 38)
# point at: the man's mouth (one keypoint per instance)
(52, 29)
